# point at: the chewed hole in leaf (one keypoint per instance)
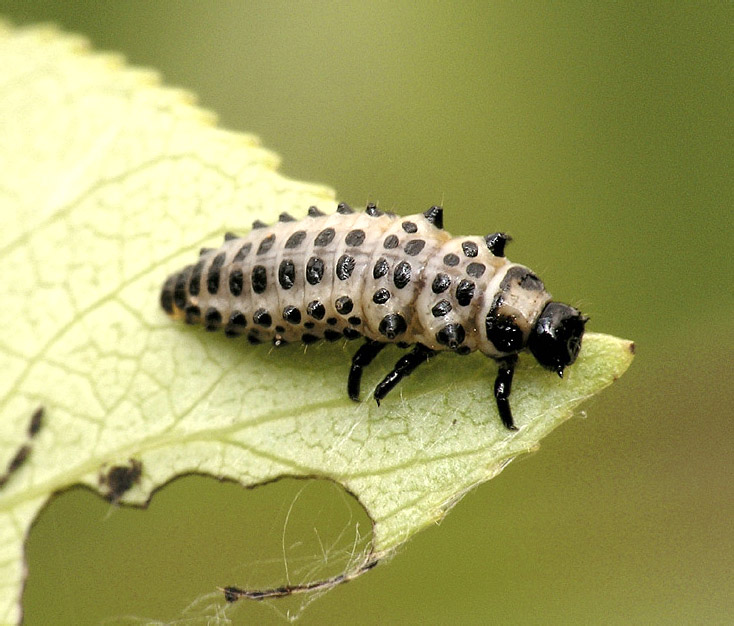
(198, 534)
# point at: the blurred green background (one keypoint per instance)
(600, 136)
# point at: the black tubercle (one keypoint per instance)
(496, 243)
(392, 325)
(314, 212)
(285, 217)
(259, 224)
(203, 251)
(229, 236)
(372, 210)
(435, 216)
(451, 335)
(344, 209)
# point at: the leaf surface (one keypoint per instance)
(108, 182)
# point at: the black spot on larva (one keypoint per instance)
(179, 289)
(344, 305)
(236, 280)
(350, 333)
(212, 277)
(451, 260)
(253, 338)
(391, 241)
(262, 318)
(332, 321)
(414, 247)
(381, 296)
(435, 216)
(523, 277)
(475, 269)
(237, 319)
(372, 210)
(324, 238)
(295, 240)
(286, 274)
(344, 209)
(285, 217)
(266, 244)
(401, 275)
(259, 224)
(193, 314)
(316, 310)
(464, 292)
(230, 236)
(441, 308)
(345, 266)
(259, 279)
(451, 335)
(309, 325)
(203, 251)
(314, 212)
(332, 335)
(354, 320)
(463, 350)
(280, 329)
(314, 270)
(441, 283)
(470, 249)
(382, 267)
(195, 280)
(212, 319)
(504, 333)
(410, 227)
(392, 325)
(292, 315)
(308, 338)
(167, 296)
(355, 238)
(501, 329)
(531, 282)
(242, 252)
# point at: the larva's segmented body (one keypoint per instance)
(386, 278)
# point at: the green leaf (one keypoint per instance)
(108, 182)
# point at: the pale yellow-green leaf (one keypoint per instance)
(108, 182)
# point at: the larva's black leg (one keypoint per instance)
(502, 388)
(404, 367)
(361, 359)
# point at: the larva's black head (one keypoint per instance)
(555, 340)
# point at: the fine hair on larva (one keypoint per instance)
(383, 278)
